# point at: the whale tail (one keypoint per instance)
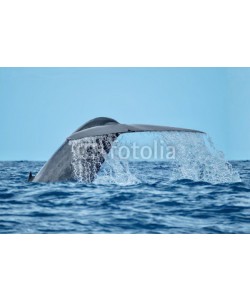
(103, 132)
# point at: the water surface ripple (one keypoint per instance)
(153, 206)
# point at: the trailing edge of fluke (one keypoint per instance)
(59, 166)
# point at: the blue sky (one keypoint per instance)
(40, 107)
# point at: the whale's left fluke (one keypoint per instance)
(59, 166)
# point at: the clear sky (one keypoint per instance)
(40, 107)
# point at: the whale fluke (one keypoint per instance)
(105, 131)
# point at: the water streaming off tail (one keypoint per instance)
(88, 155)
(197, 158)
(91, 155)
(180, 155)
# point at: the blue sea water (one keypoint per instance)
(152, 205)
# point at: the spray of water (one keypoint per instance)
(91, 161)
(88, 155)
(196, 159)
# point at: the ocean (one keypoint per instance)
(147, 202)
